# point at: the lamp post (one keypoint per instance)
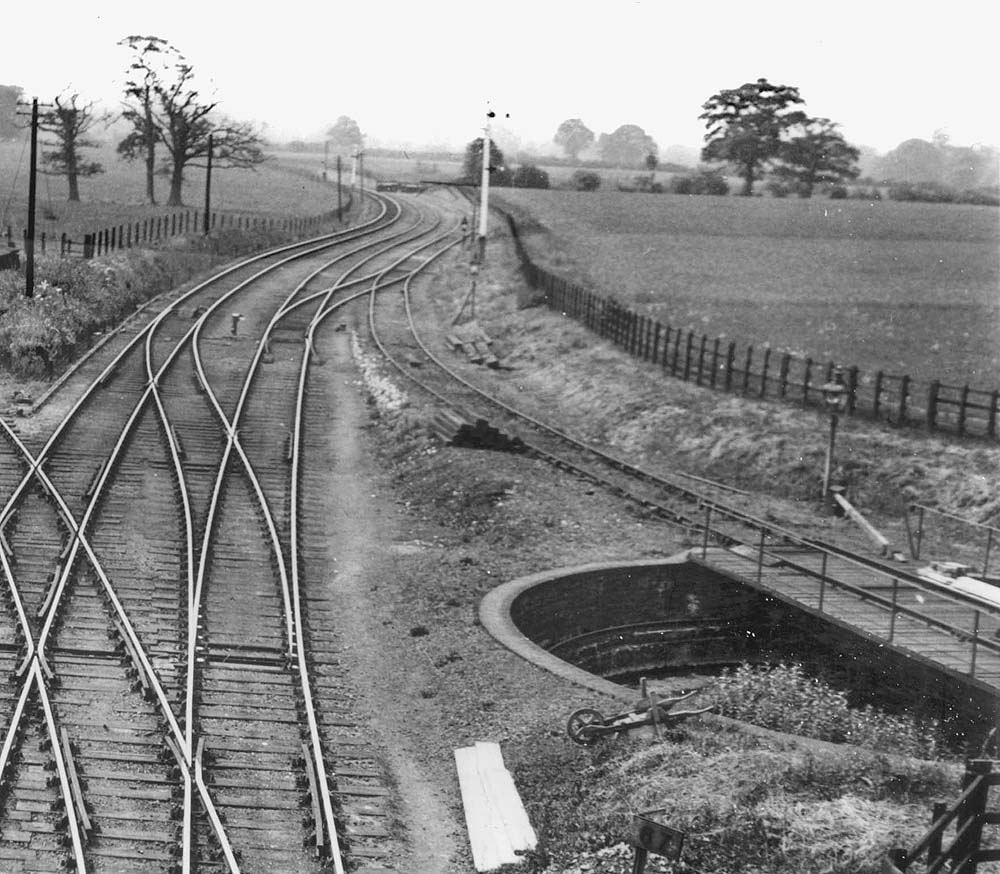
(834, 402)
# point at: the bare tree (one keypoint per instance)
(152, 59)
(186, 124)
(183, 123)
(69, 123)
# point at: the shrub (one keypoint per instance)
(530, 176)
(838, 192)
(778, 188)
(703, 182)
(980, 197)
(585, 180)
(785, 699)
(925, 192)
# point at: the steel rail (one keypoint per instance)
(332, 239)
(315, 740)
(293, 630)
(230, 426)
(705, 502)
(61, 769)
(38, 655)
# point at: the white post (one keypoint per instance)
(485, 195)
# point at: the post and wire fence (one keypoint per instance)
(763, 372)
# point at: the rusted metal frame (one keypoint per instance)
(892, 615)
(975, 639)
(859, 592)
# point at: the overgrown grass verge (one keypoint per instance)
(75, 299)
(746, 804)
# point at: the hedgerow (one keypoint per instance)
(74, 299)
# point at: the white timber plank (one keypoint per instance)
(487, 836)
(504, 797)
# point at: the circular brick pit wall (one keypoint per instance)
(677, 617)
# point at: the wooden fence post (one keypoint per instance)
(971, 812)
(715, 361)
(877, 392)
(746, 369)
(687, 355)
(701, 358)
(991, 424)
(852, 389)
(806, 379)
(786, 360)
(657, 329)
(763, 370)
(730, 359)
(677, 352)
(904, 391)
(962, 409)
(932, 404)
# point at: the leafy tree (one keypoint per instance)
(472, 167)
(9, 128)
(152, 61)
(345, 136)
(69, 124)
(746, 126)
(530, 176)
(913, 160)
(818, 155)
(585, 180)
(627, 146)
(702, 182)
(573, 136)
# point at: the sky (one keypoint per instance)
(425, 73)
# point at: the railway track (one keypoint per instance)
(711, 514)
(160, 713)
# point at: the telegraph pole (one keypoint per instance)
(208, 188)
(340, 202)
(29, 242)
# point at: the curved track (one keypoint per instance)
(895, 600)
(160, 714)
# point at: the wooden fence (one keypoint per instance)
(762, 372)
(962, 851)
(150, 231)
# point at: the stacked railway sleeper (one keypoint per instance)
(159, 713)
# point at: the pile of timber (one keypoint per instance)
(471, 339)
(458, 431)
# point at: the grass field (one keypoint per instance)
(119, 194)
(904, 287)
